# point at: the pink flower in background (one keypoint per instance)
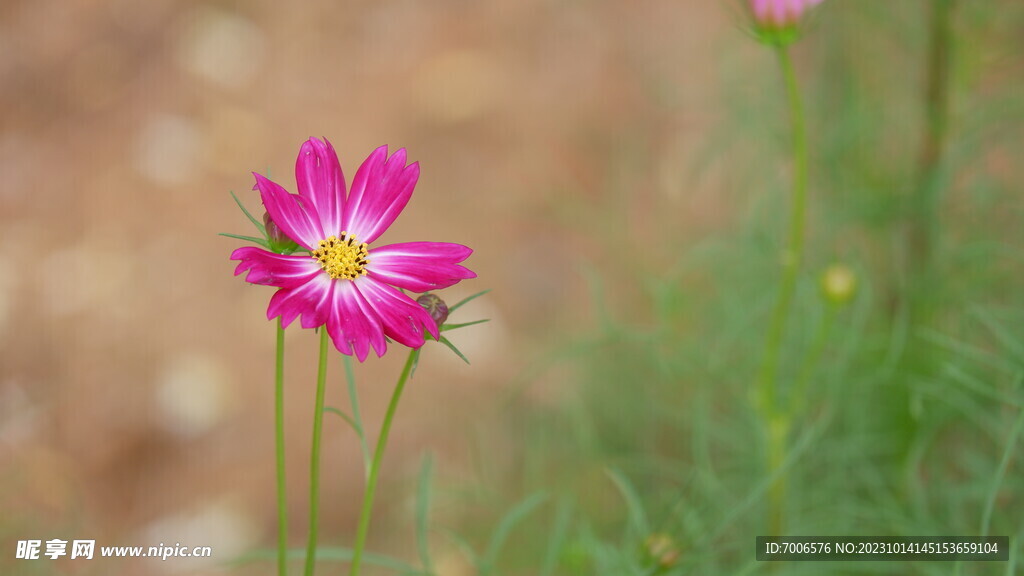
(780, 13)
(341, 282)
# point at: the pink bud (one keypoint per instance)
(775, 14)
(435, 306)
(279, 241)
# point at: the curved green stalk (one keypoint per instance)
(777, 423)
(378, 456)
(282, 501)
(314, 468)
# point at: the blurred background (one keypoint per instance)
(621, 171)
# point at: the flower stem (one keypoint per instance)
(282, 504)
(378, 456)
(314, 468)
(798, 396)
(353, 396)
(776, 423)
(922, 233)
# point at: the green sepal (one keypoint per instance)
(287, 248)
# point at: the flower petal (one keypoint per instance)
(307, 299)
(420, 266)
(271, 269)
(295, 215)
(403, 319)
(353, 325)
(380, 190)
(318, 311)
(760, 8)
(321, 181)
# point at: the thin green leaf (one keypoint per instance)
(416, 360)
(1004, 462)
(466, 300)
(463, 546)
(254, 239)
(423, 511)
(982, 387)
(415, 365)
(1011, 566)
(516, 515)
(259, 225)
(353, 397)
(347, 418)
(982, 356)
(1001, 333)
(452, 347)
(556, 539)
(447, 327)
(637, 516)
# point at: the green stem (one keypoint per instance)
(918, 296)
(778, 430)
(314, 468)
(353, 396)
(798, 396)
(923, 221)
(776, 423)
(282, 504)
(378, 456)
(793, 255)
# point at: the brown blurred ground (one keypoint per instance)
(135, 371)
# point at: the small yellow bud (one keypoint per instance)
(838, 284)
(662, 550)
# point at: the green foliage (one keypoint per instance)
(910, 397)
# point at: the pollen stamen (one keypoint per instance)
(343, 258)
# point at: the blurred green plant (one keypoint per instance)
(905, 365)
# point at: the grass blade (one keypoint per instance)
(463, 546)
(557, 538)
(1011, 444)
(634, 507)
(423, 512)
(516, 515)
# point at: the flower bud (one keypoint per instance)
(838, 284)
(436, 307)
(661, 550)
(778, 21)
(278, 240)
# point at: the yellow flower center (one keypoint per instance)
(344, 258)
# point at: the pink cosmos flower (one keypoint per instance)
(780, 13)
(340, 281)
